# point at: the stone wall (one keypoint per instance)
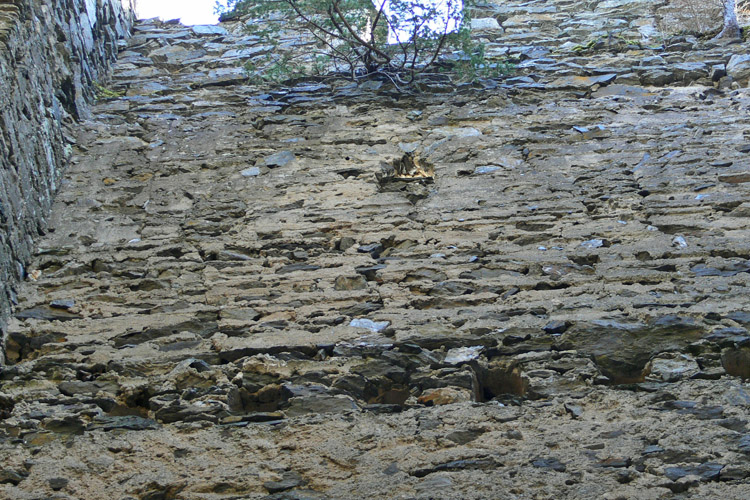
(51, 54)
(535, 289)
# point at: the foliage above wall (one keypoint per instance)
(401, 40)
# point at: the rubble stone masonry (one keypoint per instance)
(531, 287)
(51, 54)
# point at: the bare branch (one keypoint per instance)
(335, 4)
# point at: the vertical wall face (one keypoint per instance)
(51, 53)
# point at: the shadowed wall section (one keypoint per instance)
(51, 54)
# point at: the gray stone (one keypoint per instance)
(743, 444)
(690, 71)
(73, 388)
(47, 313)
(460, 355)
(736, 361)
(245, 53)
(734, 472)
(586, 133)
(240, 314)
(297, 494)
(581, 82)
(251, 172)
(435, 483)
(706, 472)
(63, 304)
(729, 269)
(362, 309)
(288, 481)
(595, 243)
(618, 348)
(132, 423)
(209, 30)
(320, 404)
(718, 71)
(373, 326)
(374, 249)
(657, 77)
(457, 465)
(173, 54)
(670, 367)
(297, 267)
(549, 463)
(735, 177)
(9, 476)
(556, 327)
(695, 409)
(738, 67)
(170, 411)
(487, 169)
(347, 283)
(485, 24)
(679, 241)
(223, 77)
(458, 132)
(574, 410)
(280, 159)
(57, 483)
(615, 462)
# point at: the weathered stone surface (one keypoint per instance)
(50, 54)
(581, 82)
(736, 361)
(738, 67)
(621, 350)
(670, 367)
(735, 178)
(485, 23)
(520, 288)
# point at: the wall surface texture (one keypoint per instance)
(532, 287)
(51, 54)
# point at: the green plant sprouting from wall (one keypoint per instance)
(102, 92)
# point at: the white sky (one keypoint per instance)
(189, 11)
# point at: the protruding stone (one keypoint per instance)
(374, 326)
(485, 24)
(350, 283)
(671, 367)
(738, 67)
(736, 361)
(445, 396)
(209, 30)
(581, 82)
(280, 159)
